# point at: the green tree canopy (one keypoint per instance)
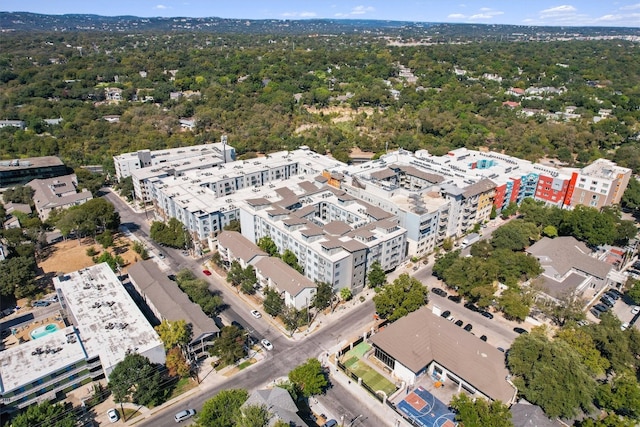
(309, 378)
(230, 345)
(268, 245)
(172, 234)
(376, 276)
(174, 333)
(515, 235)
(400, 298)
(480, 412)
(223, 409)
(291, 260)
(45, 414)
(323, 296)
(253, 416)
(273, 303)
(16, 274)
(136, 380)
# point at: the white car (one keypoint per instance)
(184, 415)
(113, 415)
(635, 310)
(256, 314)
(267, 344)
(624, 326)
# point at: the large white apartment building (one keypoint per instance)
(126, 163)
(106, 326)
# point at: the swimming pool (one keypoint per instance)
(44, 330)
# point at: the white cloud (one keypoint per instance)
(160, 6)
(558, 10)
(361, 10)
(631, 7)
(457, 16)
(626, 19)
(299, 14)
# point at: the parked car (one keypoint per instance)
(607, 301)
(601, 307)
(595, 312)
(459, 322)
(206, 272)
(520, 331)
(446, 314)
(267, 344)
(184, 415)
(635, 310)
(624, 326)
(41, 304)
(455, 298)
(330, 423)
(483, 338)
(612, 295)
(256, 314)
(501, 349)
(487, 314)
(617, 292)
(439, 292)
(472, 307)
(160, 255)
(468, 327)
(113, 415)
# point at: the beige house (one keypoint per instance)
(57, 193)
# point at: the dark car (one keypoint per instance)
(614, 296)
(471, 307)
(617, 292)
(487, 314)
(41, 304)
(483, 338)
(501, 349)
(446, 314)
(237, 324)
(520, 331)
(607, 301)
(439, 291)
(601, 307)
(455, 298)
(595, 312)
(468, 327)
(459, 322)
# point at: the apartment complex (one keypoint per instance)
(338, 219)
(21, 171)
(57, 193)
(106, 326)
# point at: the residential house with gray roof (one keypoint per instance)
(279, 403)
(57, 194)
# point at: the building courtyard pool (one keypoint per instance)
(43, 330)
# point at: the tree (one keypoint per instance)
(115, 262)
(309, 378)
(443, 263)
(16, 273)
(223, 409)
(19, 194)
(567, 308)
(291, 260)
(631, 196)
(172, 234)
(235, 273)
(176, 363)
(273, 303)
(376, 276)
(229, 346)
(580, 340)
(345, 294)
(293, 318)
(174, 333)
(45, 414)
(480, 412)
(515, 304)
(105, 239)
(234, 225)
(633, 292)
(253, 416)
(400, 298)
(542, 367)
(135, 379)
(622, 395)
(510, 210)
(323, 296)
(515, 235)
(268, 245)
(249, 280)
(550, 231)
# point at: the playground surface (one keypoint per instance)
(422, 407)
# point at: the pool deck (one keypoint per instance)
(23, 332)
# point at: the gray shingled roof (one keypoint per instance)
(283, 276)
(279, 403)
(337, 228)
(240, 246)
(383, 174)
(565, 253)
(422, 337)
(479, 187)
(528, 415)
(169, 300)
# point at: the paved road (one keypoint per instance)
(286, 353)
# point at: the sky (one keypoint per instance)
(621, 13)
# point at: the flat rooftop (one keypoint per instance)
(27, 362)
(31, 162)
(108, 320)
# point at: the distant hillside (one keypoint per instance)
(24, 21)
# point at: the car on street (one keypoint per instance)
(501, 349)
(267, 344)
(113, 415)
(486, 314)
(520, 331)
(184, 415)
(446, 314)
(459, 323)
(472, 307)
(41, 304)
(468, 327)
(635, 310)
(160, 255)
(455, 298)
(439, 292)
(256, 314)
(483, 338)
(206, 272)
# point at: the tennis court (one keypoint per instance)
(423, 407)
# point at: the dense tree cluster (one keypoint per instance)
(172, 234)
(198, 292)
(136, 380)
(400, 298)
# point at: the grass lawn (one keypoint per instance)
(182, 386)
(370, 376)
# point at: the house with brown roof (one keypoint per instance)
(425, 344)
(57, 193)
(167, 302)
(570, 268)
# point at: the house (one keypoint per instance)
(167, 302)
(233, 246)
(113, 94)
(511, 104)
(424, 343)
(296, 289)
(53, 122)
(112, 118)
(57, 193)
(20, 124)
(515, 91)
(280, 404)
(187, 124)
(524, 414)
(18, 207)
(570, 268)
